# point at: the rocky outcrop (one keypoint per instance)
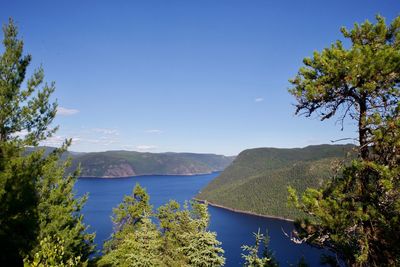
(119, 170)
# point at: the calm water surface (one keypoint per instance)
(233, 229)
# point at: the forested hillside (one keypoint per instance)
(257, 180)
(130, 163)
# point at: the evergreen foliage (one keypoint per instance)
(251, 255)
(128, 216)
(18, 203)
(357, 214)
(181, 239)
(59, 209)
(359, 82)
(139, 248)
(36, 198)
(51, 252)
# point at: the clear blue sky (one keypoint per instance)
(195, 76)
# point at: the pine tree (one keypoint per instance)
(36, 199)
(203, 249)
(139, 248)
(251, 255)
(186, 236)
(358, 82)
(128, 216)
(182, 238)
(59, 209)
(357, 214)
(51, 252)
(20, 112)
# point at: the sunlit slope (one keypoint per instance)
(257, 179)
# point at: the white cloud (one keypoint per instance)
(258, 99)
(129, 147)
(66, 111)
(154, 131)
(141, 148)
(58, 140)
(106, 131)
(21, 134)
(102, 141)
(54, 141)
(145, 147)
(76, 140)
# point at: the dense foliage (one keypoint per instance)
(38, 211)
(129, 163)
(257, 179)
(180, 239)
(251, 254)
(357, 214)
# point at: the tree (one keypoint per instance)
(198, 246)
(181, 239)
(18, 203)
(139, 248)
(51, 252)
(35, 194)
(59, 209)
(128, 216)
(20, 112)
(358, 82)
(252, 258)
(357, 214)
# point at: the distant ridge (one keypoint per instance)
(112, 164)
(257, 180)
(122, 163)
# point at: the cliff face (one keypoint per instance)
(119, 170)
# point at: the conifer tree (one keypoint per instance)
(182, 238)
(251, 255)
(59, 209)
(186, 235)
(35, 196)
(359, 82)
(138, 248)
(357, 214)
(51, 252)
(128, 216)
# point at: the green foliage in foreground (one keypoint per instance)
(357, 214)
(59, 209)
(251, 253)
(40, 223)
(257, 180)
(182, 238)
(51, 252)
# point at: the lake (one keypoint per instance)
(233, 229)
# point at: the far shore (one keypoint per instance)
(154, 174)
(243, 211)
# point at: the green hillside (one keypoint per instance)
(257, 180)
(129, 163)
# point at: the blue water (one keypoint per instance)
(233, 229)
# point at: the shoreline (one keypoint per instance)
(140, 175)
(242, 211)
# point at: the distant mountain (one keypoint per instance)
(122, 163)
(129, 163)
(257, 179)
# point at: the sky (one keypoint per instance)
(207, 76)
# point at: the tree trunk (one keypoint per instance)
(362, 129)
